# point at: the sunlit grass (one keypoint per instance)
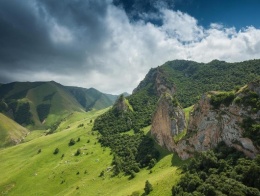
(31, 168)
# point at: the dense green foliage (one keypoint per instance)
(43, 111)
(23, 114)
(131, 152)
(225, 98)
(251, 99)
(20, 111)
(192, 79)
(148, 187)
(143, 103)
(223, 171)
(252, 130)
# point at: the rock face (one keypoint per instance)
(121, 105)
(168, 119)
(209, 126)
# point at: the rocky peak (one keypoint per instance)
(162, 86)
(121, 104)
(159, 83)
(168, 121)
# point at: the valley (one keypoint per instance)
(185, 120)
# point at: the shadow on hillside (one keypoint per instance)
(177, 162)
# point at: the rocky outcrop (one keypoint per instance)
(168, 121)
(208, 126)
(158, 81)
(210, 122)
(122, 104)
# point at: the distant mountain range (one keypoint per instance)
(42, 104)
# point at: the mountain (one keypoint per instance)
(192, 79)
(116, 151)
(10, 131)
(43, 104)
(159, 100)
(92, 98)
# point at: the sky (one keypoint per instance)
(112, 44)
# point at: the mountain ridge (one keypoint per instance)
(41, 104)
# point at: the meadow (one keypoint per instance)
(32, 168)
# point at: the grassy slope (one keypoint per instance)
(10, 130)
(62, 103)
(25, 171)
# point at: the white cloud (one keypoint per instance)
(132, 49)
(103, 49)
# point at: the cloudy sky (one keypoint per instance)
(111, 44)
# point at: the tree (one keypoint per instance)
(78, 152)
(72, 142)
(148, 187)
(56, 151)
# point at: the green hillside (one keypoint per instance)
(192, 79)
(10, 132)
(121, 127)
(32, 168)
(92, 98)
(44, 104)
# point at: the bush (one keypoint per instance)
(148, 187)
(56, 151)
(222, 98)
(72, 142)
(78, 152)
(80, 125)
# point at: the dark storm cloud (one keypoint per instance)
(49, 35)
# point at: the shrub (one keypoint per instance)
(72, 142)
(78, 152)
(56, 151)
(148, 187)
(222, 98)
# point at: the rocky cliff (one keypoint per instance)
(168, 119)
(230, 117)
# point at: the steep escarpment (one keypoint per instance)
(168, 121)
(229, 117)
